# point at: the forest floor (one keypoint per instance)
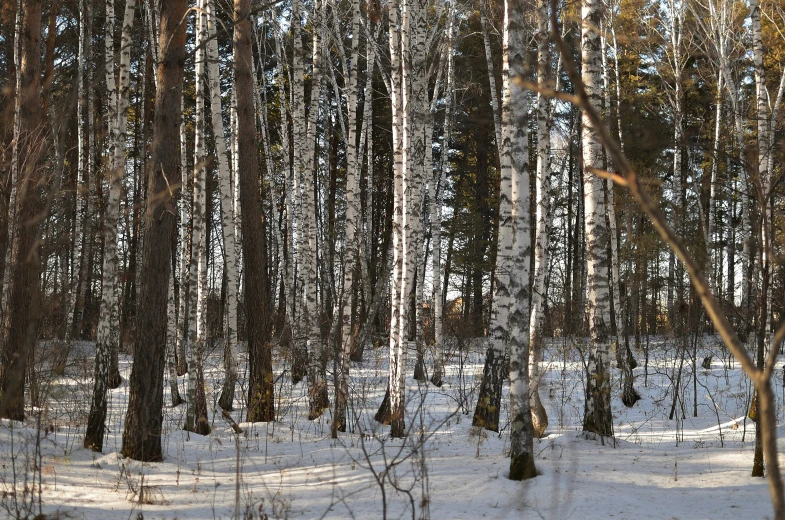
(657, 468)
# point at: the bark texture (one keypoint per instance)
(142, 433)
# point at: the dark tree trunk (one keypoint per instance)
(7, 124)
(142, 434)
(260, 398)
(21, 319)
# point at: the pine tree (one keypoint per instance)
(143, 422)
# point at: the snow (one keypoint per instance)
(693, 468)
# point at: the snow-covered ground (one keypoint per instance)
(686, 468)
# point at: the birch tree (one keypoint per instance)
(515, 228)
(196, 414)
(624, 356)
(107, 336)
(597, 417)
(351, 223)
(84, 161)
(436, 205)
(227, 212)
(767, 116)
(486, 413)
(107, 373)
(421, 165)
(392, 408)
(317, 382)
(542, 216)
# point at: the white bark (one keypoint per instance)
(397, 344)
(436, 205)
(171, 335)
(198, 306)
(352, 221)
(764, 151)
(497, 124)
(185, 254)
(597, 418)
(515, 129)
(83, 150)
(717, 278)
(486, 413)
(306, 163)
(227, 213)
(542, 216)
(117, 96)
(421, 161)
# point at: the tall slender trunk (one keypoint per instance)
(83, 150)
(710, 225)
(421, 167)
(486, 413)
(186, 200)
(624, 356)
(317, 362)
(597, 417)
(231, 353)
(392, 409)
(352, 221)
(20, 320)
(171, 335)
(497, 121)
(107, 335)
(542, 216)
(436, 206)
(299, 131)
(196, 413)
(762, 191)
(142, 433)
(515, 129)
(254, 240)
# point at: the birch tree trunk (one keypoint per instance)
(171, 337)
(486, 413)
(317, 362)
(186, 200)
(107, 335)
(421, 166)
(436, 207)
(299, 127)
(231, 353)
(196, 415)
(392, 408)
(624, 356)
(83, 174)
(352, 220)
(142, 433)
(497, 122)
(710, 225)
(763, 187)
(542, 215)
(597, 418)
(107, 374)
(515, 130)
